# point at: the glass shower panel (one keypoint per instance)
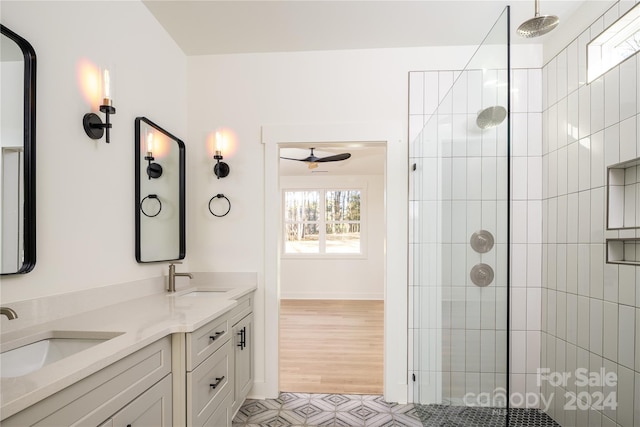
(459, 237)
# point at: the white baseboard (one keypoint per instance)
(260, 391)
(396, 393)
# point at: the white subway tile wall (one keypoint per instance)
(591, 311)
(527, 225)
(473, 319)
(570, 310)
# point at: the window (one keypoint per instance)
(615, 44)
(324, 221)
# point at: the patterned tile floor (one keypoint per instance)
(349, 410)
(325, 410)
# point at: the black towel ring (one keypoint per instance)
(219, 196)
(151, 196)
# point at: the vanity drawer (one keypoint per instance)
(205, 340)
(222, 416)
(244, 307)
(209, 384)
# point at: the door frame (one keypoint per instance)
(396, 196)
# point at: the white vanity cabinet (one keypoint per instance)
(213, 368)
(182, 359)
(242, 321)
(203, 375)
(130, 391)
(208, 387)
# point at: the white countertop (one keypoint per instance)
(140, 321)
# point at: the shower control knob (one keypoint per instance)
(482, 241)
(482, 275)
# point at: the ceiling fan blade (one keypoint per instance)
(312, 159)
(289, 158)
(336, 158)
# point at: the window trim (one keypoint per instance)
(322, 216)
(600, 50)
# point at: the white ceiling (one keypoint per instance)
(205, 27)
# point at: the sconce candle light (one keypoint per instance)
(92, 123)
(154, 170)
(220, 169)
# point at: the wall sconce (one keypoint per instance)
(154, 170)
(220, 169)
(92, 123)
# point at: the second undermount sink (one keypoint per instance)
(46, 349)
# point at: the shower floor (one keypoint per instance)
(461, 416)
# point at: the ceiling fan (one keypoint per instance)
(313, 161)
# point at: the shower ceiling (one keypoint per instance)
(205, 27)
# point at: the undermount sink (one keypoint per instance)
(47, 349)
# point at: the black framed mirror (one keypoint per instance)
(17, 154)
(160, 193)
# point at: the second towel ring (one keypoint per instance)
(219, 196)
(151, 196)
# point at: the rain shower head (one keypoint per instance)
(491, 117)
(538, 25)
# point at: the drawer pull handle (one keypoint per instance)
(213, 337)
(218, 381)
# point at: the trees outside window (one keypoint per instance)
(326, 221)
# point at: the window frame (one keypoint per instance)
(322, 222)
(601, 49)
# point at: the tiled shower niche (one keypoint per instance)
(623, 195)
(623, 211)
(623, 251)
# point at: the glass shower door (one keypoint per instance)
(459, 241)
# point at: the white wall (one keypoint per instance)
(570, 29)
(85, 188)
(340, 278)
(244, 92)
(249, 91)
(590, 309)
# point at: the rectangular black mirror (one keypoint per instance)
(17, 154)
(160, 193)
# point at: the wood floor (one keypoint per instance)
(331, 346)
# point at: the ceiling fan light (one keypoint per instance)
(313, 165)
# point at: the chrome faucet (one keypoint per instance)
(9, 312)
(173, 274)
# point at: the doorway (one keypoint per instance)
(394, 229)
(332, 268)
